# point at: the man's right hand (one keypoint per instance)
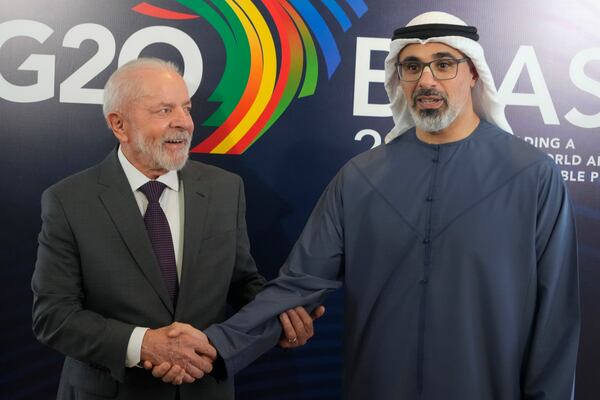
(177, 353)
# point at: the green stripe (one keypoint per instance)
(237, 56)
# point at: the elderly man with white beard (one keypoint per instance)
(454, 243)
(141, 252)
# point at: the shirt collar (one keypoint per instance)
(137, 179)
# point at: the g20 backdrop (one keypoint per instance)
(284, 92)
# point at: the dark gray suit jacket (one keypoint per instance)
(96, 277)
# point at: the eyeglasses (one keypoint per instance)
(442, 69)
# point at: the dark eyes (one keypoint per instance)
(445, 64)
(412, 67)
(440, 65)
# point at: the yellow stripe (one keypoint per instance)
(265, 41)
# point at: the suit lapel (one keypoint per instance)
(196, 199)
(119, 201)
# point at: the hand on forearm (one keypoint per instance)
(297, 326)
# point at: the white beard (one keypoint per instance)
(429, 121)
(160, 159)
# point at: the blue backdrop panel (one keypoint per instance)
(55, 57)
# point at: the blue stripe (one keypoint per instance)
(358, 6)
(338, 13)
(322, 33)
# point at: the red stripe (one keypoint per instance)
(285, 30)
(157, 12)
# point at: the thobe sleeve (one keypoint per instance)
(313, 269)
(552, 352)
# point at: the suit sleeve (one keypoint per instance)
(313, 269)
(550, 365)
(246, 281)
(59, 318)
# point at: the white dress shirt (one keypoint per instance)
(171, 201)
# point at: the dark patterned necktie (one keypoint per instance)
(160, 236)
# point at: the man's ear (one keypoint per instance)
(474, 73)
(116, 122)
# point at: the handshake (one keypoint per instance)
(179, 353)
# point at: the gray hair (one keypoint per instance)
(120, 89)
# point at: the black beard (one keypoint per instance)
(429, 113)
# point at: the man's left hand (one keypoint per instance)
(297, 326)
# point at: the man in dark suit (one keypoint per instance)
(140, 241)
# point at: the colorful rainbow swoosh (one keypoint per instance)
(262, 76)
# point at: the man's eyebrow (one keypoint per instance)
(172, 104)
(434, 56)
(443, 54)
(410, 58)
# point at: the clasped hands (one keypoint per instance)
(179, 353)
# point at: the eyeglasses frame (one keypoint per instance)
(428, 65)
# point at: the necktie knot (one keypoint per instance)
(153, 190)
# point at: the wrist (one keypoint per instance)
(145, 350)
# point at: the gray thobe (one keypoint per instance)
(459, 266)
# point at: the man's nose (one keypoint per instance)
(427, 78)
(182, 119)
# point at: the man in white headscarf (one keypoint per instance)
(454, 242)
